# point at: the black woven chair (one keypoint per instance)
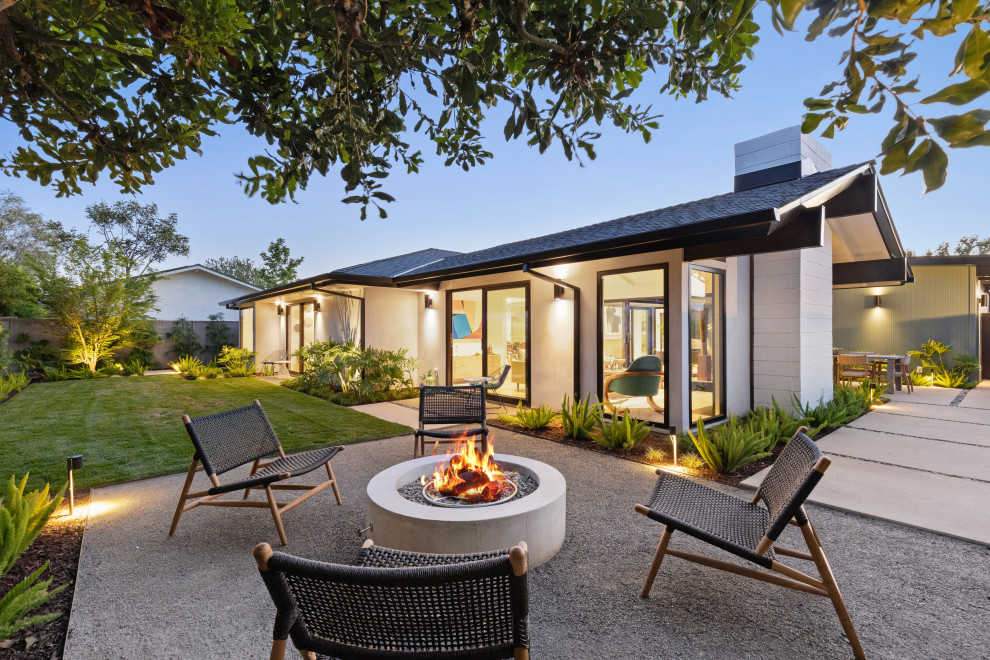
(450, 405)
(396, 605)
(237, 437)
(748, 530)
(496, 379)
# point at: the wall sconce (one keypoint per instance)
(428, 302)
(281, 310)
(316, 306)
(73, 463)
(984, 300)
(876, 302)
(558, 292)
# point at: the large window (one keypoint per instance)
(706, 321)
(633, 338)
(300, 331)
(246, 328)
(488, 330)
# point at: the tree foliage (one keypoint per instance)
(96, 305)
(23, 233)
(138, 233)
(972, 244)
(277, 266)
(19, 291)
(126, 89)
(241, 268)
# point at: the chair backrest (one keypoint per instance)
(230, 439)
(475, 609)
(905, 361)
(277, 356)
(790, 480)
(852, 360)
(640, 385)
(499, 376)
(439, 404)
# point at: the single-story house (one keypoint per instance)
(949, 301)
(193, 292)
(732, 293)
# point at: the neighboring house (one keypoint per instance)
(733, 293)
(948, 302)
(195, 291)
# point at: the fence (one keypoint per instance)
(48, 329)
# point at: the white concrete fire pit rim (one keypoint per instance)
(383, 490)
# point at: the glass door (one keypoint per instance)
(706, 322)
(467, 359)
(300, 331)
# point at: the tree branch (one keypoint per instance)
(522, 9)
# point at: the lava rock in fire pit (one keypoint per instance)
(525, 484)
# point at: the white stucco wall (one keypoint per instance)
(195, 294)
(392, 318)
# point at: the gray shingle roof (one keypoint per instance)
(712, 208)
(399, 265)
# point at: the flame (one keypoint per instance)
(468, 475)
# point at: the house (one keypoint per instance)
(733, 293)
(948, 302)
(195, 291)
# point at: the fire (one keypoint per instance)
(469, 476)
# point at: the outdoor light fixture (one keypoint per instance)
(673, 442)
(428, 302)
(316, 306)
(558, 292)
(73, 463)
(281, 310)
(876, 302)
(984, 300)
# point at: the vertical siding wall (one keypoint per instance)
(940, 305)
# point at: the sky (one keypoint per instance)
(520, 193)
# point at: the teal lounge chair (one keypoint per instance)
(644, 377)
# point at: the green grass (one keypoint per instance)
(131, 428)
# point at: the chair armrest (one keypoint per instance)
(626, 374)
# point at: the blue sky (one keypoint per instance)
(520, 193)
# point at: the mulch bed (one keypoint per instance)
(638, 454)
(60, 542)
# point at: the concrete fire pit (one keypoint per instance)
(538, 518)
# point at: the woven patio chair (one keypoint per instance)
(234, 438)
(748, 530)
(496, 379)
(439, 404)
(395, 605)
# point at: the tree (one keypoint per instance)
(23, 234)
(217, 334)
(138, 233)
(96, 305)
(240, 267)
(18, 291)
(128, 88)
(184, 339)
(966, 245)
(277, 267)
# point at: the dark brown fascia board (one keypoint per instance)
(758, 222)
(802, 231)
(981, 261)
(311, 282)
(880, 272)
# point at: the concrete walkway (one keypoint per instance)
(921, 460)
(197, 595)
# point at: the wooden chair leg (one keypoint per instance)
(278, 650)
(308, 655)
(183, 497)
(333, 480)
(657, 559)
(828, 577)
(276, 515)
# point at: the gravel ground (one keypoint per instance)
(911, 594)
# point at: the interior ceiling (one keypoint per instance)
(856, 238)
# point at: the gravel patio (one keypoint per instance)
(911, 593)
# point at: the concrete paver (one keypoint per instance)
(949, 413)
(935, 429)
(978, 397)
(969, 461)
(939, 396)
(392, 412)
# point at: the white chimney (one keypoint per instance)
(779, 156)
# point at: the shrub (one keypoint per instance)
(134, 367)
(932, 356)
(13, 382)
(5, 355)
(22, 517)
(690, 460)
(533, 419)
(728, 447)
(143, 339)
(580, 417)
(239, 362)
(37, 356)
(184, 339)
(774, 423)
(55, 374)
(81, 373)
(345, 367)
(655, 455)
(623, 433)
(217, 334)
(186, 363)
(847, 404)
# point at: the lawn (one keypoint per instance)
(131, 428)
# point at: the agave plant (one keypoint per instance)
(533, 419)
(728, 447)
(580, 417)
(623, 433)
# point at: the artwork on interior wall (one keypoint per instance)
(461, 326)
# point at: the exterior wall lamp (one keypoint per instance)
(316, 306)
(281, 310)
(428, 302)
(73, 463)
(876, 302)
(558, 292)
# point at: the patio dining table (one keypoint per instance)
(893, 382)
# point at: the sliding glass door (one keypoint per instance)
(300, 330)
(488, 329)
(633, 312)
(706, 323)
